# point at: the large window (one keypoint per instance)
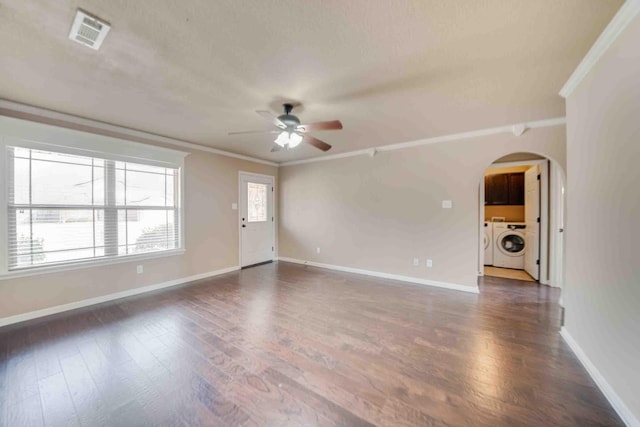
(66, 208)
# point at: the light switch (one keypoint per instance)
(447, 204)
(234, 206)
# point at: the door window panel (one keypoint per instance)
(256, 202)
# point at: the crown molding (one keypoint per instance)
(627, 12)
(558, 121)
(68, 121)
(41, 115)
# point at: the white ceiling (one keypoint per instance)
(392, 71)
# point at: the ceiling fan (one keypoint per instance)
(291, 133)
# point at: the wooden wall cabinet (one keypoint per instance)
(504, 189)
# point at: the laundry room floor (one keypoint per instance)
(507, 273)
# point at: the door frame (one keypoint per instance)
(545, 215)
(245, 174)
(557, 225)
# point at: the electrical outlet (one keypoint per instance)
(416, 262)
(140, 269)
(447, 204)
(317, 250)
(429, 263)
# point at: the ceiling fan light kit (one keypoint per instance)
(291, 133)
(288, 140)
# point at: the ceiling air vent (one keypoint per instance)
(88, 30)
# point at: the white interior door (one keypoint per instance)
(256, 219)
(532, 221)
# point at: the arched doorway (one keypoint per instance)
(511, 249)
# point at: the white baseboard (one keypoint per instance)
(110, 297)
(623, 411)
(446, 285)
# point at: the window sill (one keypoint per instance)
(35, 271)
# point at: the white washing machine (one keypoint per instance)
(508, 247)
(488, 243)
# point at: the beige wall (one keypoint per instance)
(511, 213)
(379, 213)
(602, 296)
(211, 186)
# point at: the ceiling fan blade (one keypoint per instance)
(271, 118)
(329, 125)
(321, 145)
(254, 131)
(275, 148)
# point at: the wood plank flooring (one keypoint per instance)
(284, 344)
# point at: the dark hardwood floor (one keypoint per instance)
(283, 344)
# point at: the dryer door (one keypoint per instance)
(511, 244)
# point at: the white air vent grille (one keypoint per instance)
(88, 30)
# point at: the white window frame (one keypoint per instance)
(26, 134)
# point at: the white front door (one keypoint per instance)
(256, 219)
(532, 221)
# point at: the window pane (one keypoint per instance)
(145, 189)
(98, 186)
(98, 226)
(141, 168)
(120, 183)
(60, 157)
(19, 191)
(172, 231)
(24, 153)
(122, 232)
(148, 230)
(257, 202)
(60, 183)
(41, 233)
(170, 196)
(20, 238)
(65, 256)
(62, 229)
